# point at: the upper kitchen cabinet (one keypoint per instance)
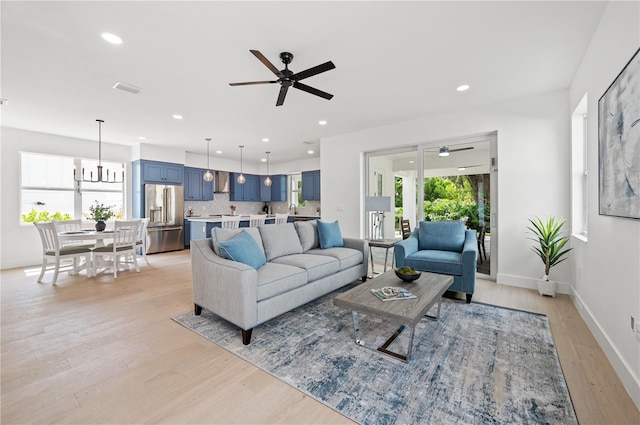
(195, 187)
(279, 188)
(161, 172)
(249, 191)
(311, 185)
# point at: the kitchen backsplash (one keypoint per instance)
(222, 205)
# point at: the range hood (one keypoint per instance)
(221, 181)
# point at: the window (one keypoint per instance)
(295, 190)
(579, 174)
(49, 191)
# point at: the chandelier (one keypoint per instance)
(241, 178)
(267, 180)
(208, 176)
(100, 176)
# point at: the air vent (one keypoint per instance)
(127, 87)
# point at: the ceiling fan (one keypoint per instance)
(445, 151)
(286, 77)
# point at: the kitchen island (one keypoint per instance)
(199, 227)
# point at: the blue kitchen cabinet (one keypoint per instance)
(311, 185)
(249, 191)
(161, 172)
(279, 188)
(195, 187)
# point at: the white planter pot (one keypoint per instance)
(547, 287)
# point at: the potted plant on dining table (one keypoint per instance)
(100, 214)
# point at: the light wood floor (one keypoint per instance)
(105, 351)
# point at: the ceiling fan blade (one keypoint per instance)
(313, 71)
(311, 90)
(266, 62)
(461, 149)
(281, 96)
(252, 82)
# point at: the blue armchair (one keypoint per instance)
(444, 247)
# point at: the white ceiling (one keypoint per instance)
(395, 61)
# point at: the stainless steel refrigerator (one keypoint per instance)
(164, 205)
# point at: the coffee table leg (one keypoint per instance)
(356, 327)
(437, 316)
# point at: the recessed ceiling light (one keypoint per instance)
(411, 162)
(263, 159)
(142, 138)
(462, 168)
(111, 38)
(177, 116)
(463, 87)
(265, 139)
(218, 152)
(322, 122)
(310, 152)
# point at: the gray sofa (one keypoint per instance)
(297, 270)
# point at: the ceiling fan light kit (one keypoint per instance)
(287, 78)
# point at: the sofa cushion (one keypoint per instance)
(244, 249)
(441, 235)
(436, 261)
(317, 266)
(329, 234)
(348, 257)
(279, 240)
(308, 234)
(219, 234)
(275, 279)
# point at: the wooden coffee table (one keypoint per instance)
(428, 289)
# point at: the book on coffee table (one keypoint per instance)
(392, 293)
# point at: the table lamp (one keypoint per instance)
(377, 206)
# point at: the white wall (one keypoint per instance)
(20, 245)
(533, 162)
(607, 266)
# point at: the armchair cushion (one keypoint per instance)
(441, 235)
(444, 262)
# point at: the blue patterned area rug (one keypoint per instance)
(478, 364)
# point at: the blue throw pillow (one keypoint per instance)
(329, 234)
(244, 249)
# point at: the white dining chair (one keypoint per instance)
(125, 234)
(52, 248)
(141, 239)
(230, 221)
(281, 218)
(63, 226)
(256, 220)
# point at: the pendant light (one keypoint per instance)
(241, 178)
(100, 177)
(267, 180)
(208, 176)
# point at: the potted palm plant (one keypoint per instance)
(551, 248)
(100, 213)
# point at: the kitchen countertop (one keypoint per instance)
(217, 218)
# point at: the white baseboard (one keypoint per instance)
(630, 382)
(530, 283)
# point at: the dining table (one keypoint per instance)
(89, 235)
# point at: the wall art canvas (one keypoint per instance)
(619, 144)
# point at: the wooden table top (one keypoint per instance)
(428, 289)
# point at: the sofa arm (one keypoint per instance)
(405, 248)
(362, 246)
(224, 287)
(470, 249)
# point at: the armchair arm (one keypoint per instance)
(224, 287)
(404, 248)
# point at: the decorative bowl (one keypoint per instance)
(408, 277)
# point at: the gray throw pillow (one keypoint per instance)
(279, 240)
(308, 233)
(219, 234)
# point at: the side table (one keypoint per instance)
(382, 243)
